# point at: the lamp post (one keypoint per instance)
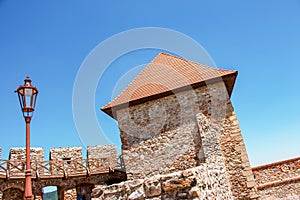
(27, 97)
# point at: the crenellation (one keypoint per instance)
(64, 162)
(17, 157)
(36, 153)
(68, 158)
(278, 180)
(65, 153)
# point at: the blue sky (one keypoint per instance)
(49, 41)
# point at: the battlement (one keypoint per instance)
(277, 173)
(63, 162)
(66, 169)
(103, 152)
(278, 179)
(36, 153)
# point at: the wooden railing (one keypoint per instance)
(59, 168)
(277, 173)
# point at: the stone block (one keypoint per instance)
(152, 187)
(137, 194)
(177, 184)
(17, 157)
(68, 158)
(251, 184)
(36, 153)
(194, 192)
(65, 153)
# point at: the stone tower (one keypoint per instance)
(176, 115)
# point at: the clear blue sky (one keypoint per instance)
(49, 41)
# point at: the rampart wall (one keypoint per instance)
(275, 181)
(279, 180)
(66, 169)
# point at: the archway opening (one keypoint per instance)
(50, 193)
(84, 191)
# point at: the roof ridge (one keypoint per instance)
(191, 61)
(214, 68)
(167, 54)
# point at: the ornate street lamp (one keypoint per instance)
(27, 96)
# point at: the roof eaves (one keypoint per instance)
(228, 79)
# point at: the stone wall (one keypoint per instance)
(166, 135)
(107, 153)
(63, 162)
(72, 175)
(70, 194)
(209, 180)
(236, 158)
(203, 182)
(161, 136)
(279, 180)
(68, 188)
(286, 190)
(66, 153)
(13, 194)
(67, 158)
(17, 156)
(276, 172)
(36, 153)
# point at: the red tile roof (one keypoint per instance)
(165, 75)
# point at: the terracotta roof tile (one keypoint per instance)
(164, 74)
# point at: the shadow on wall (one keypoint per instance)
(12, 193)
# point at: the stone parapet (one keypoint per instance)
(277, 172)
(65, 153)
(74, 176)
(288, 189)
(36, 153)
(206, 181)
(64, 159)
(279, 180)
(17, 157)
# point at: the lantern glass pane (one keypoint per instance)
(28, 95)
(33, 100)
(21, 98)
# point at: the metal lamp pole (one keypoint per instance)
(27, 97)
